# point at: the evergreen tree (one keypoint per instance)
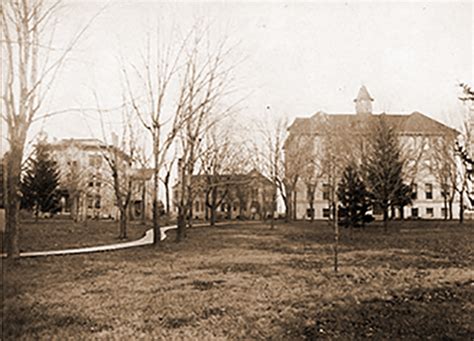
(383, 167)
(403, 198)
(40, 182)
(353, 197)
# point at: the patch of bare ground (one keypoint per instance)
(247, 282)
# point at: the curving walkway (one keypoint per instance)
(145, 240)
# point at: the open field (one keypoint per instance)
(56, 234)
(249, 282)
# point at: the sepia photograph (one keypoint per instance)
(237, 170)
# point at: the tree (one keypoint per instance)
(120, 156)
(402, 198)
(154, 77)
(40, 183)
(205, 83)
(30, 65)
(463, 150)
(384, 166)
(219, 161)
(269, 158)
(353, 198)
(335, 143)
(443, 166)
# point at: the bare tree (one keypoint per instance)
(205, 83)
(220, 163)
(30, 64)
(168, 168)
(443, 166)
(297, 157)
(269, 158)
(464, 152)
(120, 157)
(335, 144)
(155, 75)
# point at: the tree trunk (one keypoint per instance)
(385, 219)
(123, 223)
(156, 179)
(402, 212)
(445, 199)
(213, 215)
(272, 220)
(156, 225)
(288, 206)
(181, 228)
(336, 237)
(167, 194)
(241, 209)
(12, 201)
(311, 209)
(295, 193)
(451, 208)
(461, 207)
(144, 202)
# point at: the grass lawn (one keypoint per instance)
(245, 282)
(56, 234)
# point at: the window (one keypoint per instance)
(414, 212)
(429, 191)
(326, 212)
(326, 191)
(444, 212)
(197, 206)
(430, 212)
(90, 201)
(97, 201)
(310, 212)
(414, 192)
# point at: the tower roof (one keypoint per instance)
(363, 95)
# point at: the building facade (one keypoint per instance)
(236, 196)
(420, 139)
(86, 182)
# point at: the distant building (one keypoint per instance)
(86, 181)
(244, 196)
(415, 131)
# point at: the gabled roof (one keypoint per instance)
(414, 123)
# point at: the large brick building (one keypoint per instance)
(417, 133)
(86, 181)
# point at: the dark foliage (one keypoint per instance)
(40, 182)
(353, 198)
(383, 168)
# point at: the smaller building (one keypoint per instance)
(234, 196)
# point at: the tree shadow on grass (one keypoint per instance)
(38, 322)
(420, 314)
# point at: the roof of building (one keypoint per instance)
(142, 173)
(234, 178)
(414, 123)
(85, 144)
(363, 94)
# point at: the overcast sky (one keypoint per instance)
(298, 58)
